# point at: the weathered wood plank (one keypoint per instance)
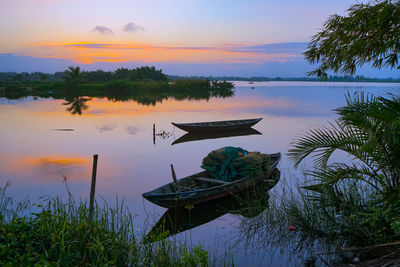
(204, 179)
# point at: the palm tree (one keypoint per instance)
(73, 76)
(368, 129)
(358, 201)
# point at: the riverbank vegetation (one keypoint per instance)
(355, 202)
(358, 201)
(58, 233)
(145, 85)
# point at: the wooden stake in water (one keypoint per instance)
(92, 188)
(154, 133)
(173, 173)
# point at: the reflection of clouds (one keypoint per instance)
(54, 167)
(106, 127)
(42, 170)
(132, 130)
(45, 169)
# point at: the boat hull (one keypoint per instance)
(166, 197)
(246, 203)
(217, 126)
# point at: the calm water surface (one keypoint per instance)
(41, 142)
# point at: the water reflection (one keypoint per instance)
(77, 104)
(161, 134)
(130, 164)
(132, 130)
(106, 128)
(48, 168)
(214, 135)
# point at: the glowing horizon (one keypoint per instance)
(222, 38)
(89, 52)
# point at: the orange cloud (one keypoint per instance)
(87, 53)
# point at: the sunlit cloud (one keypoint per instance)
(132, 27)
(88, 53)
(102, 30)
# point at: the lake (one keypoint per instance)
(42, 143)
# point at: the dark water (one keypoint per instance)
(41, 142)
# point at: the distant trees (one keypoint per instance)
(74, 75)
(138, 74)
(97, 76)
(369, 34)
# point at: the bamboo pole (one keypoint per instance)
(154, 133)
(92, 188)
(173, 173)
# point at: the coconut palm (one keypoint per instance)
(72, 76)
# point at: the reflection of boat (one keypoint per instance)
(214, 126)
(200, 187)
(214, 135)
(248, 203)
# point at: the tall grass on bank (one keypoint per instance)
(58, 234)
(302, 222)
(289, 227)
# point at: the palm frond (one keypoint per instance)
(333, 175)
(324, 141)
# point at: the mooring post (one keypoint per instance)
(154, 133)
(92, 188)
(173, 173)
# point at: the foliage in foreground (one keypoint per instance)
(59, 235)
(360, 200)
(368, 34)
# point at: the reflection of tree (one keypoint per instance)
(77, 104)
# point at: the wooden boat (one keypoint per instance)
(193, 136)
(248, 203)
(215, 126)
(199, 187)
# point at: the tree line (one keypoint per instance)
(137, 74)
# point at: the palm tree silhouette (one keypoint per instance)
(73, 76)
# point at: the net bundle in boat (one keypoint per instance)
(231, 163)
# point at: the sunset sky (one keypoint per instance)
(184, 37)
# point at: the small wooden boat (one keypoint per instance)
(248, 203)
(199, 188)
(188, 137)
(215, 126)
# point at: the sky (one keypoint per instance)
(183, 37)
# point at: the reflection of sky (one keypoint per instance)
(34, 157)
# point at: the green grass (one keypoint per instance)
(58, 234)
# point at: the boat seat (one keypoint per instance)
(210, 180)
